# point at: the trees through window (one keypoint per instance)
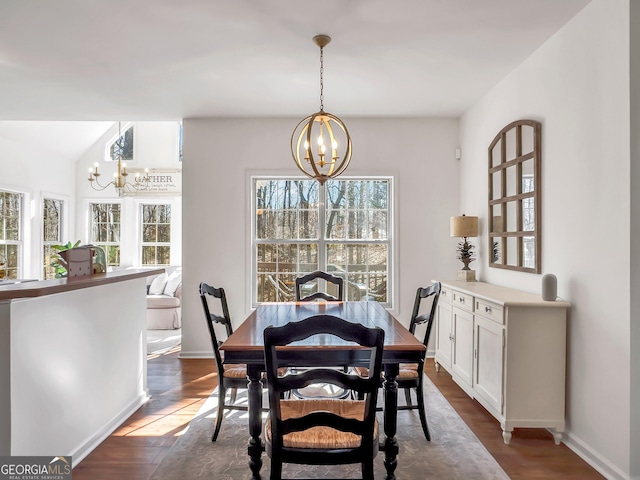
(51, 234)
(105, 230)
(342, 227)
(156, 234)
(10, 234)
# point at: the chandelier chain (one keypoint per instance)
(321, 79)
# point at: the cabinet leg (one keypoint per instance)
(557, 436)
(506, 435)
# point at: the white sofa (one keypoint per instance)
(164, 300)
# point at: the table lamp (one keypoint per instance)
(465, 227)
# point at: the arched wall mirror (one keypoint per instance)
(514, 197)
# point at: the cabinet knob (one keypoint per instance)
(461, 299)
(487, 309)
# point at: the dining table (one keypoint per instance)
(245, 346)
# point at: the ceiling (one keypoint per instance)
(167, 60)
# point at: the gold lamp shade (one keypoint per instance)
(464, 226)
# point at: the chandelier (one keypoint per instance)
(316, 140)
(120, 182)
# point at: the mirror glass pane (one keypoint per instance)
(496, 249)
(498, 221)
(512, 225)
(511, 144)
(512, 182)
(496, 155)
(527, 139)
(496, 185)
(512, 250)
(527, 171)
(529, 250)
(528, 215)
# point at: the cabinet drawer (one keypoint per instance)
(489, 310)
(462, 300)
(445, 294)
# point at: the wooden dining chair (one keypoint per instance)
(230, 377)
(411, 375)
(322, 432)
(314, 276)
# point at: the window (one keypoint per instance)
(121, 145)
(10, 234)
(156, 234)
(105, 230)
(51, 233)
(342, 227)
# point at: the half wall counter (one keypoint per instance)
(72, 361)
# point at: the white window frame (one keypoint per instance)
(322, 242)
(140, 205)
(90, 227)
(107, 146)
(63, 224)
(24, 233)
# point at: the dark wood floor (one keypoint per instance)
(179, 387)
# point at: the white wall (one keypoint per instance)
(37, 171)
(577, 85)
(635, 235)
(221, 154)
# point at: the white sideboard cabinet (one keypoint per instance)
(507, 349)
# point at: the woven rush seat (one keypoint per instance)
(239, 370)
(407, 370)
(321, 437)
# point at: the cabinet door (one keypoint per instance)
(489, 354)
(443, 335)
(462, 356)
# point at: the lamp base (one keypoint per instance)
(466, 275)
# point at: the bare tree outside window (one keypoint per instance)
(156, 234)
(10, 234)
(342, 228)
(51, 233)
(105, 230)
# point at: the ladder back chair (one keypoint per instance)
(314, 276)
(411, 375)
(230, 377)
(322, 432)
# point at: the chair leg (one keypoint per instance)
(221, 395)
(423, 414)
(407, 396)
(367, 470)
(234, 392)
(276, 468)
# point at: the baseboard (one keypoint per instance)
(92, 442)
(593, 458)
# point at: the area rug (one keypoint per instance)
(453, 453)
(163, 341)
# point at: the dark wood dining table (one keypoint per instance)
(246, 346)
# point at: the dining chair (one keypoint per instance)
(411, 375)
(322, 432)
(314, 276)
(230, 377)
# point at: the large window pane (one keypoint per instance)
(354, 240)
(155, 234)
(10, 234)
(105, 230)
(51, 234)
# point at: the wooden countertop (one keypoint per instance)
(60, 285)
